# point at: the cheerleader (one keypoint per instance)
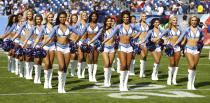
(132, 66)
(109, 53)
(8, 35)
(156, 49)
(92, 31)
(143, 56)
(62, 31)
(125, 50)
(23, 33)
(49, 48)
(173, 33)
(82, 55)
(33, 34)
(194, 37)
(73, 37)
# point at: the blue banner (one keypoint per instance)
(3, 23)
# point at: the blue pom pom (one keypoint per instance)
(132, 42)
(169, 50)
(151, 45)
(200, 45)
(116, 43)
(137, 49)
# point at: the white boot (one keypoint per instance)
(83, 69)
(21, 69)
(36, 69)
(155, 71)
(73, 64)
(60, 74)
(174, 75)
(27, 71)
(31, 70)
(90, 69)
(122, 76)
(12, 65)
(106, 76)
(63, 82)
(189, 83)
(125, 87)
(193, 79)
(79, 70)
(39, 74)
(9, 63)
(50, 73)
(95, 67)
(17, 66)
(142, 68)
(132, 67)
(118, 65)
(170, 69)
(46, 79)
(109, 76)
(113, 65)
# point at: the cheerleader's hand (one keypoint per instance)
(175, 44)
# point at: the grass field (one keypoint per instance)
(19, 90)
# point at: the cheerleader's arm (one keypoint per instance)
(116, 29)
(181, 38)
(147, 37)
(19, 31)
(29, 36)
(52, 34)
(39, 36)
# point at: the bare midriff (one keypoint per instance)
(51, 40)
(124, 39)
(23, 37)
(110, 42)
(174, 39)
(63, 40)
(192, 42)
(73, 36)
(91, 35)
(143, 35)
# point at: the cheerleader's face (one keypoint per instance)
(156, 23)
(50, 18)
(19, 17)
(84, 16)
(193, 22)
(38, 20)
(143, 17)
(62, 18)
(174, 22)
(13, 19)
(133, 20)
(113, 22)
(29, 15)
(94, 17)
(109, 22)
(126, 18)
(74, 19)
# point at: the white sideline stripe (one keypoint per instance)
(42, 93)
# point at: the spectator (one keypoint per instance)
(206, 6)
(148, 8)
(2, 8)
(192, 8)
(184, 23)
(160, 9)
(8, 10)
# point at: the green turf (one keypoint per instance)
(79, 89)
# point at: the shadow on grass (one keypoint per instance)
(201, 84)
(83, 86)
(182, 80)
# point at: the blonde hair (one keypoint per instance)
(141, 16)
(193, 16)
(30, 10)
(46, 16)
(170, 21)
(83, 13)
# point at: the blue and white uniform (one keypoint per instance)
(96, 30)
(152, 35)
(143, 29)
(35, 32)
(171, 33)
(22, 31)
(80, 27)
(59, 33)
(122, 32)
(45, 31)
(189, 34)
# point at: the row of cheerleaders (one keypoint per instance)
(73, 38)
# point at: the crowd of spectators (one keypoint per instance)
(168, 7)
(151, 7)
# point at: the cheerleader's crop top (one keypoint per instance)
(189, 34)
(122, 32)
(152, 34)
(25, 25)
(171, 33)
